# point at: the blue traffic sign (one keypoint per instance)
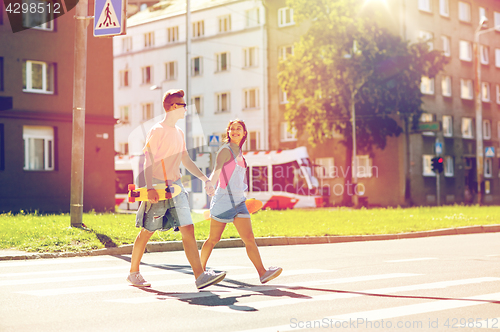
(213, 140)
(439, 148)
(489, 151)
(109, 17)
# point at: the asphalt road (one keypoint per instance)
(446, 283)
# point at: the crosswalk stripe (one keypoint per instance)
(50, 261)
(259, 289)
(411, 260)
(394, 312)
(151, 270)
(345, 295)
(169, 282)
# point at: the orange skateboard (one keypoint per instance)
(253, 205)
(164, 192)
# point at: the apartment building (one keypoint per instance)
(227, 72)
(449, 26)
(36, 87)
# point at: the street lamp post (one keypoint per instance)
(479, 108)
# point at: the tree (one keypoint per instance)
(348, 59)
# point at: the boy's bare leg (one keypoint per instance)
(139, 245)
(216, 229)
(191, 249)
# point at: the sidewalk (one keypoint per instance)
(261, 242)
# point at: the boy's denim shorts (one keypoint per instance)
(170, 213)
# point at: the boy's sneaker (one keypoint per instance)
(136, 279)
(270, 274)
(209, 278)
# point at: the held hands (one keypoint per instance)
(153, 196)
(209, 187)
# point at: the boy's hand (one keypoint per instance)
(153, 196)
(209, 187)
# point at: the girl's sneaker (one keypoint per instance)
(136, 279)
(270, 274)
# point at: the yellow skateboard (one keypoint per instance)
(253, 205)
(164, 192)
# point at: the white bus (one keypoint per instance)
(281, 179)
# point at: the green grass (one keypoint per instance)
(52, 233)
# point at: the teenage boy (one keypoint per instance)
(165, 149)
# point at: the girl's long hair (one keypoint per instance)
(227, 139)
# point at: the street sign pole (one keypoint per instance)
(438, 151)
(78, 135)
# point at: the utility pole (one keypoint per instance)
(79, 93)
(189, 118)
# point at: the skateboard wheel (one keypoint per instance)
(131, 187)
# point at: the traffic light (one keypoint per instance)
(437, 164)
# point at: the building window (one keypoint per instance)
(123, 148)
(283, 51)
(250, 56)
(484, 54)
(496, 20)
(173, 34)
(222, 61)
(198, 29)
(488, 167)
(124, 78)
(466, 89)
(253, 141)
(196, 66)
(464, 11)
(485, 92)
(446, 45)
(497, 57)
(486, 129)
(146, 75)
(465, 50)
(326, 169)
(38, 148)
(427, 37)
(39, 19)
(39, 77)
(197, 102)
(126, 44)
(364, 164)
(124, 114)
(171, 70)
(427, 85)
(282, 96)
(444, 8)
(285, 17)
(251, 98)
(424, 5)
(448, 166)
(447, 125)
(288, 134)
(482, 13)
(252, 17)
(467, 128)
(149, 39)
(446, 86)
(427, 165)
(498, 93)
(224, 23)
(147, 111)
(222, 102)
(427, 117)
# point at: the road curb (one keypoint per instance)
(261, 242)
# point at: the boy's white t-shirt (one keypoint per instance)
(165, 143)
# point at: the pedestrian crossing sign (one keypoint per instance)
(213, 140)
(109, 17)
(489, 151)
